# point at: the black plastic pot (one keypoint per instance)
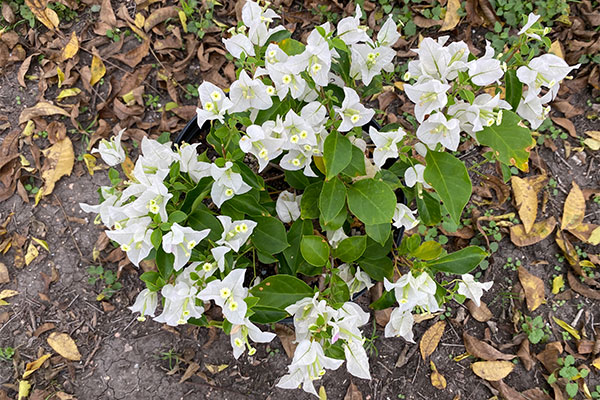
(192, 130)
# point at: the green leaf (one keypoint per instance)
(203, 219)
(429, 209)
(357, 164)
(509, 141)
(291, 47)
(277, 292)
(250, 177)
(336, 223)
(292, 254)
(269, 236)
(195, 196)
(372, 201)
(332, 199)
(377, 269)
(339, 290)
(450, 179)
(350, 249)
(177, 216)
(267, 315)
(164, 263)
(337, 153)
(315, 250)
(387, 299)
(156, 238)
(247, 204)
(379, 233)
(279, 36)
(297, 179)
(428, 250)
(459, 262)
(309, 204)
(514, 88)
(376, 250)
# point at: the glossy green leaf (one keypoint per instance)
(247, 204)
(387, 300)
(202, 218)
(332, 199)
(291, 46)
(428, 250)
(277, 292)
(377, 269)
(337, 153)
(514, 88)
(339, 291)
(269, 236)
(372, 201)
(315, 250)
(379, 233)
(351, 249)
(292, 254)
(509, 141)
(459, 262)
(429, 209)
(356, 167)
(309, 204)
(375, 250)
(450, 179)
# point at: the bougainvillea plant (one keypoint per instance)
(291, 209)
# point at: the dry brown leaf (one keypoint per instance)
(353, 393)
(533, 287)
(437, 380)
(98, 70)
(4, 277)
(23, 68)
(189, 372)
(159, 16)
(33, 366)
(452, 18)
(41, 109)
(480, 349)
(589, 233)
(539, 231)
(7, 13)
(64, 345)
(431, 339)
(492, 370)
(574, 209)
(507, 392)
(287, 336)
(71, 48)
(526, 198)
(45, 327)
(134, 56)
(481, 313)
(581, 288)
(567, 124)
(549, 356)
(45, 15)
(525, 355)
(568, 249)
(59, 162)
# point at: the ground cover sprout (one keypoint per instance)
(291, 209)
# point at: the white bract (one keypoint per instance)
(386, 144)
(180, 241)
(247, 93)
(229, 294)
(404, 217)
(352, 112)
(471, 289)
(180, 302)
(112, 152)
(240, 334)
(428, 96)
(145, 303)
(235, 233)
(485, 70)
(227, 183)
(288, 206)
(438, 129)
(214, 103)
(414, 175)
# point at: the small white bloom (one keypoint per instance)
(156, 155)
(112, 152)
(235, 233)
(400, 324)
(351, 31)
(145, 304)
(180, 302)
(134, 239)
(485, 70)
(247, 93)
(412, 175)
(352, 112)
(367, 62)
(546, 71)
(229, 294)
(388, 34)
(262, 146)
(532, 108)
(214, 103)
(437, 129)
(386, 144)
(410, 291)
(404, 217)
(428, 96)
(288, 206)
(306, 312)
(335, 237)
(180, 241)
(531, 19)
(471, 289)
(239, 337)
(227, 183)
(238, 44)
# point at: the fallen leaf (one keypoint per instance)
(189, 372)
(64, 345)
(353, 393)
(59, 162)
(32, 253)
(539, 231)
(45, 327)
(596, 363)
(574, 208)
(452, 18)
(23, 70)
(556, 49)
(68, 93)
(4, 277)
(41, 109)
(592, 144)
(431, 339)
(557, 284)
(90, 163)
(98, 70)
(213, 369)
(159, 16)
(481, 313)
(507, 392)
(45, 15)
(7, 13)
(533, 287)
(42, 243)
(581, 288)
(567, 124)
(33, 366)
(134, 56)
(5, 294)
(480, 349)
(437, 380)
(492, 370)
(589, 233)
(572, 331)
(525, 191)
(24, 388)
(71, 48)
(322, 393)
(287, 336)
(549, 356)
(525, 355)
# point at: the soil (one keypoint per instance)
(123, 358)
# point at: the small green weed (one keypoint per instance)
(109, 279)
(6, 353)
(537, 331)
(570, 373)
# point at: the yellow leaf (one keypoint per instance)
(594, 135)
(539, 231)
(557, 283)
(319, 163)
(183, 20)
(567, 328)
(42, 243)
(525, 191)
(461, 357)
(61, 76)
(68, 93)
(171, 105)
(533, 287)
(33, 366)
(556, 49)
(451, 19)
(139, 20)
(128, 167)
(492, 370)
(213, 369)
(52, 17)
(24, 387)
(98, 70)
(5, 294)
(574, 208)
(128, 97)
(59, 162)
(71, 48)
(437, 380)
(431, 339)
(90, 163)
(399, 85)
(45, 15)
(322, 393)
(64, 345)
(592, 144)
(32, 253)
(28, 128)
(596, 363)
